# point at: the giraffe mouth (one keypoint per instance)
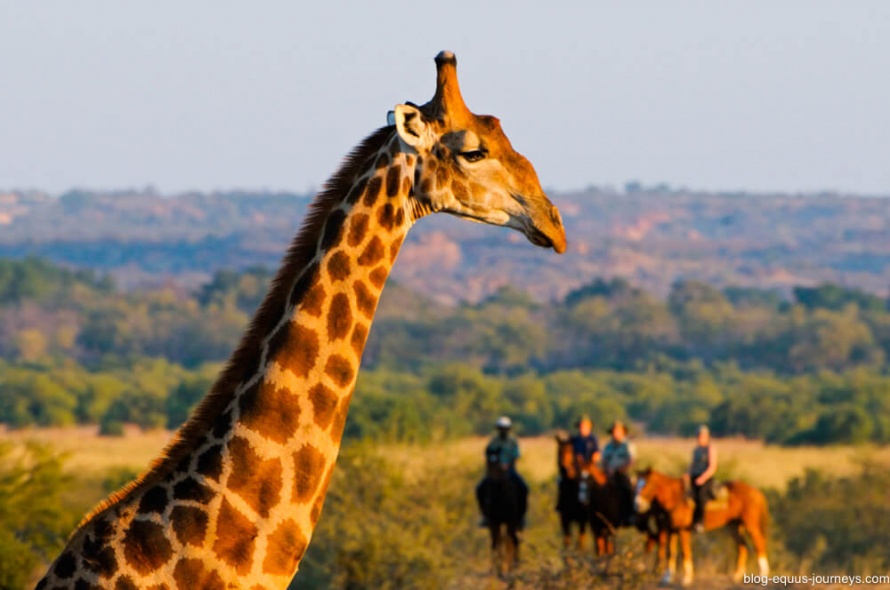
(548, 237)
(541, 223)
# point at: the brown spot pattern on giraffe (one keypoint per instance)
(313, 302)
(222, 424)
(191, 489)
(125, 583)
(395, 246)
(358, 228)
(191, 573)
(359, 336)
(256, 480)
(189, 525)
(299, 291)
(356, 191)
(270, 410)
(236, 545)
(339, 265)
(97, 556)
(145, 546)
(441, 178)
(340, 419)
(209, 463)
(373, 252)
(392, 180)
(297, 349)
(309, 464)
(339, 317)
(332, 229)
(372, 191)
(339, 369)
(460, 191)
(378, 277)
(365, 301)
(66, 565)
(382, 161)
(386, 217)
(324, 402)
(285, 548)
(154, 500)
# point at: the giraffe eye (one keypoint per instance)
(473, 155)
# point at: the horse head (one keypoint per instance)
(565, 457)
(655, 486)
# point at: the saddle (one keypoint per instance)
(719, 495)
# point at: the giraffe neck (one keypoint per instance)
(287, 420)
(235, 498)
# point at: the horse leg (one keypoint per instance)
(686, 543)
(662, 555)
(738, 533)
(671, 570)
(566, 526)
(495, 530)
(582, 535)
(758, 538)
(600, 544)
(515, 540)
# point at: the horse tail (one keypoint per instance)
(764, 517)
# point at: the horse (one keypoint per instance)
(502, 512)
(743, 509)
(572, 510)
(590, 498)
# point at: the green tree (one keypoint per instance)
(34, 519)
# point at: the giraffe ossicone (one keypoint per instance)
(234, 498)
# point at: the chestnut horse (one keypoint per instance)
(588, 498)
(743, 510)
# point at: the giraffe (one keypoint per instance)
(234, 498)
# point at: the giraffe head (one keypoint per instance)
(467, 167)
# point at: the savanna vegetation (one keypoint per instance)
(810, 368)
(403, 515)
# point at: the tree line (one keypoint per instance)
(806, 367)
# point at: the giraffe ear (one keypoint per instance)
(411, 127)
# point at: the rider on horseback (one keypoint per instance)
(503, 450)
(701, 475)
(584, 445)
(586, 452)
(618, 455)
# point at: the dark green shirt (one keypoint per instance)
(502, 450)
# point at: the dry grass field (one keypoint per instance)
(759, 464)
(91, 458)
(762, 465)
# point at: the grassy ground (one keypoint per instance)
(92, 458)
(759, 464)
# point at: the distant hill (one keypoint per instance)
(652, 237)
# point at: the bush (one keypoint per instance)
(33, 518)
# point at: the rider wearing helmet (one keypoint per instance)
(618, 455)
(503, 449)
(701, 474)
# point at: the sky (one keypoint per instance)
(757, 95)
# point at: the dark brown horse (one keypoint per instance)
(588, 498)
(572, 511)
(503, 513)
(743, 509)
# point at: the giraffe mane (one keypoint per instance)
(245, 360)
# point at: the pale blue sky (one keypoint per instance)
(760, 95)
